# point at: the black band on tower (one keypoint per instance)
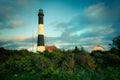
(40, 20)
(40, 40)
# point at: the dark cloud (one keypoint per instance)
(18, 43)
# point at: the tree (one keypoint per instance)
(82, 49)
(76, 50)
(116, 42)
(86, 61)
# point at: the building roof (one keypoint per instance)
(50, 48)
(98, 48)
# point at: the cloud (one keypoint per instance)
(102, 13)
(96, 12)
(9, 11)
(97, 24)
(11, 24)
(17, 24)
(18, 43)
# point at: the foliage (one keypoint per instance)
(86, 61)
(57, 65)
(116, 42)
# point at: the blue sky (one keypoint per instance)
(68, 23)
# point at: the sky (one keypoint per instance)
(67, 23)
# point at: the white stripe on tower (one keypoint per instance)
(40, 42)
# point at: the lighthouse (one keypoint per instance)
(40, 42)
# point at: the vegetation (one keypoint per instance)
(76, 64)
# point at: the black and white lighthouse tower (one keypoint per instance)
(40, 42)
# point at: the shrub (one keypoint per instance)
(86, 61)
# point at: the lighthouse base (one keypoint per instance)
(41, 48)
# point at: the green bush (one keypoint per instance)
(86, 61)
